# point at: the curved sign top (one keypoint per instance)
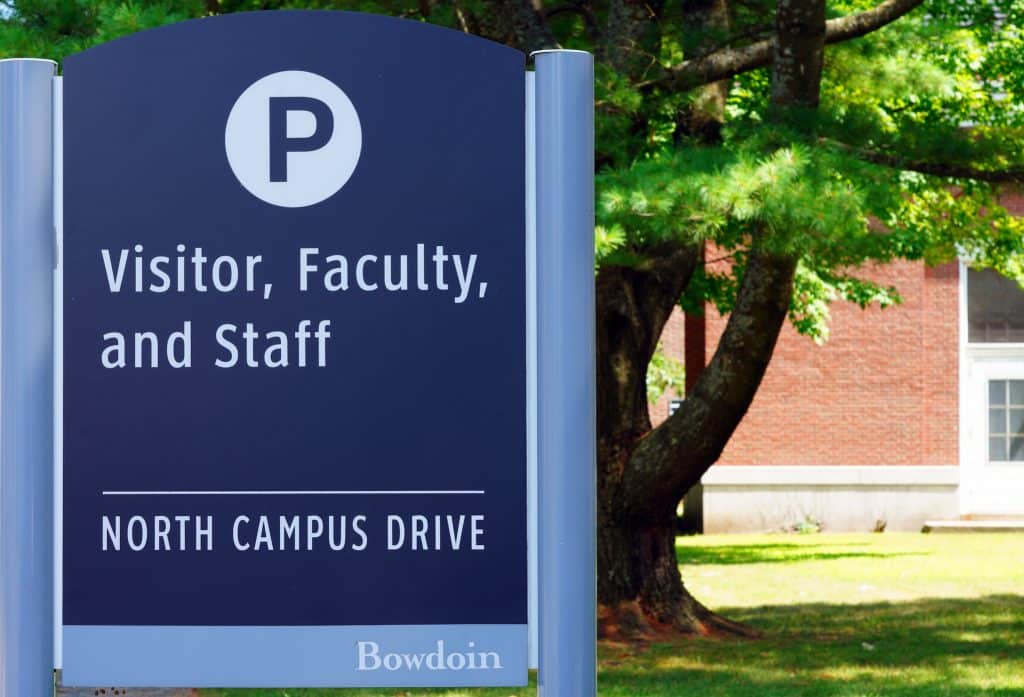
(294, 355)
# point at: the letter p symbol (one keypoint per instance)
(281, 144)
(305, 164)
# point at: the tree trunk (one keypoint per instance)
(642, 474)
(640, 590)
(704, 118)
(633, 304)
(639, 586)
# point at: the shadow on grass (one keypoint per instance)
(776, 553)
(924, 648)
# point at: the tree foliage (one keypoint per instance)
(917, 130)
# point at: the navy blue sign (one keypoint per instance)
(294, 356)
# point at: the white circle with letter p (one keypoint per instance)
(293, 138)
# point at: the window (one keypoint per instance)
(1006, 420)
(995, 308)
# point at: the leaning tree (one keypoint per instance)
(797, 139)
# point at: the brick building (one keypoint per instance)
(907, 414)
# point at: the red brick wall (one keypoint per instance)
(882, 390)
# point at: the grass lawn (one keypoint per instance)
(888, 615)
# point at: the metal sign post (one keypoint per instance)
(566, 372)
(27, 258)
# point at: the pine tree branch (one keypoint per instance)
(730, 62)
(953, 170)
(857, 25)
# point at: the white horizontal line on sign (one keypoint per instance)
(468, 492)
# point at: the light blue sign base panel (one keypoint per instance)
(344, 656)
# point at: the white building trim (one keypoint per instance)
(832, 475)
(987, 488)
(744, 498)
